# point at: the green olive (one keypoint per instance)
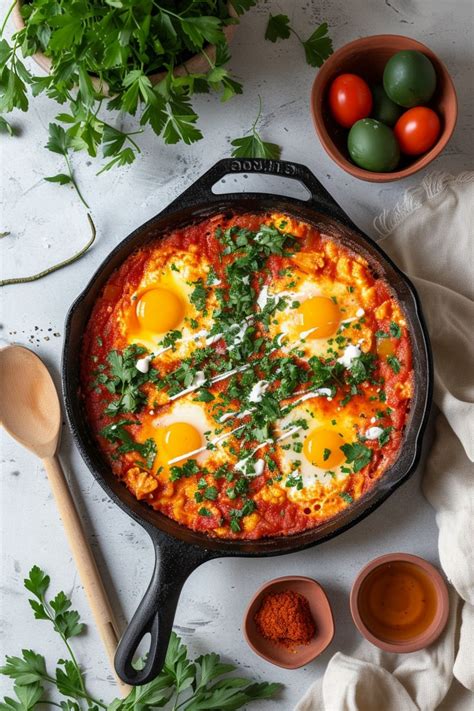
(409, 78)
(384, 109)
(373, 146)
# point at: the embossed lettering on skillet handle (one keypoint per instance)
(200, 192)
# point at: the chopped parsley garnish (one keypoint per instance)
(361, 368)
(204, 512)
(204, 395)
(294, 479)
(237, 514)
(199, 296)
(394, 363)
(357, 454)
(124, 380)
(170, 339)
(395, 330)
(116, 432)
(189, 468)
(385, 436)
(347, 497)
(326, 454)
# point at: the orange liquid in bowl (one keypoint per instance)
(397, 601)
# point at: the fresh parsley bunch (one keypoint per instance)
(103, 53)
(189, 686)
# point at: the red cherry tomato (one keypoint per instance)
(350, 99)
(417, 130)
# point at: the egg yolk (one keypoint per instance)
(385, 347)
(158, 310)
(178, 439)
(322, 447)
(319, 313)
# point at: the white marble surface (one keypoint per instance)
(47, 224)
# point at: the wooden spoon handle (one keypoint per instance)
(85, 563)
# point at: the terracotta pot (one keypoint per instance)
(367, 57)
(438, 623)
(197, 64)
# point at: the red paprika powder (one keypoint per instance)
(285, 618)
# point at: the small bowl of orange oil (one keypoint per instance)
(400, 603)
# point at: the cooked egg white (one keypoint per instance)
(315, 312)
(313, 451)
(162, 303)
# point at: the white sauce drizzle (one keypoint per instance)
(351, 352)
(373, 433)
(262, 298)
(237, 415)
(258, 391)
(320, 392)
(143, 364)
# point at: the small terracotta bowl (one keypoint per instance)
(320, 611)
(441, 613)
(367, 58)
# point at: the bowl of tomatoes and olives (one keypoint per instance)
(383, 107)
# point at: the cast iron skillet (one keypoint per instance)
(180, 550)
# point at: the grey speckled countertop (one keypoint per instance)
(47, 224)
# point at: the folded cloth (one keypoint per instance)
(430, 236)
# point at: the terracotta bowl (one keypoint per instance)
(367, 57)
(320, 611)
(197, 64)
(442, 607)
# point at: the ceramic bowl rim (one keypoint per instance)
(436, 627)
(297, 664)
(320, 84)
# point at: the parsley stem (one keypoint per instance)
(296, 34)
(209, 60)
(82, 693)
(258, 114)
(10, 10)
(50, 270)
(73, 181)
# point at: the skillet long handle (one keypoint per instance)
(104, 617)
(201, 189)
(174, 562)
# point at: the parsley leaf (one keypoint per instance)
(60, 142)
(253, 146)
(116, 432)
(347, 497)
(278, 27)
(394, 363)
(357, 454)
(125, 380)
(203, 679)
(121, 45)
(395, 330)
(318, 47)
(199, 296)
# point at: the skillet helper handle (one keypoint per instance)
(201, 190)
(104, 617)
(174, 562)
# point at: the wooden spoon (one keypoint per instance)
(31, 414)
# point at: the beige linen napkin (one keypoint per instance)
(430, 236)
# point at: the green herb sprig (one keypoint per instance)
(103, 55)
(189, 685)
(253, 145)
(318, 46)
